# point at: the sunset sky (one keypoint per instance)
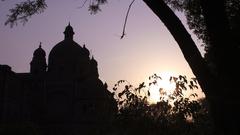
(147, 48)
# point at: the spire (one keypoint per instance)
(85, 50)
(69, 32)
(40, 45)
(94, 62)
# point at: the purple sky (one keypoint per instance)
(147, 48)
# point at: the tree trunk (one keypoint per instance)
(207, 81)
(225, 50)
(188, 47)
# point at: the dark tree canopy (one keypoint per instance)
(196, 21)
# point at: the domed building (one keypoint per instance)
(68, 57)
(64, 97)
(38, 63)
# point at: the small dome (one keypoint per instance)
(93, 61)
(85, 50)
(39, 51)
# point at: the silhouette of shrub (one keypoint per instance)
(178, 115)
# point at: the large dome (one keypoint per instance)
(68, 56)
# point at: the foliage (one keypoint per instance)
(194, 16)
(176, 116)
(196, 21)
(24, 10)
(94, 5)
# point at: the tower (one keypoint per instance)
(38, 64)
(69, 32)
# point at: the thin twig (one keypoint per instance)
(125, 22)
(83, 4)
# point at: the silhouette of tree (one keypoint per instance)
(176, 116)
(216, 22)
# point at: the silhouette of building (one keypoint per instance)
(64, 97)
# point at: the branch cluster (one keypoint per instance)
(24, 10)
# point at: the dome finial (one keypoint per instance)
(69, 23)
(93, 57)
(40, 45)
(69, 32)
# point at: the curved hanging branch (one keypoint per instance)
(125, 22)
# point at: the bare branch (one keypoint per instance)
(83, 4)
(125, 22)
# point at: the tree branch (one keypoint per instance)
(83, 4)
(125, 21)
(186, 44)
(24, 10)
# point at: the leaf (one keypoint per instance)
(191, 83)
(120, 94)
(190, 86)
(154, 82)
(180, 77)
(185, 80)
(175, 79)
(196, 86)
(183, 86)
(195, 80)
(120, 102)
(142, 85)
(148, 93)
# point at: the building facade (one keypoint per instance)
(64, 97)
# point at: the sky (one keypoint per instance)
(147, 48)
